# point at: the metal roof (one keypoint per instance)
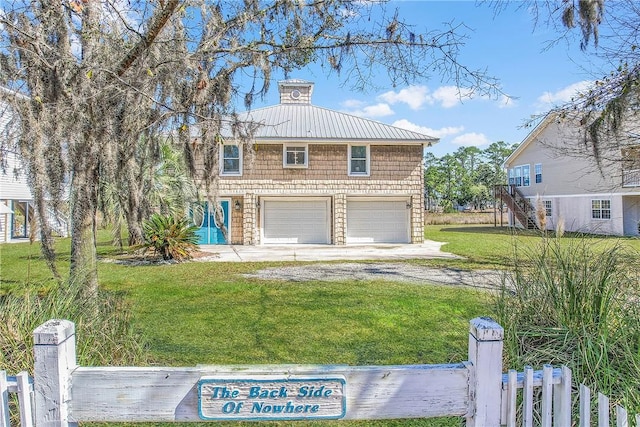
(305, 122)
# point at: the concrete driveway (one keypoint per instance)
(224, 253)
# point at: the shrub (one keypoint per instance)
(576, 302)
(174, 238)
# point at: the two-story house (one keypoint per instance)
(552, 169)
(318, 176)
(15, 195)
(17, 212)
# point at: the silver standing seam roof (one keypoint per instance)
(308, 123)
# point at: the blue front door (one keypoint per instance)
(210, 230)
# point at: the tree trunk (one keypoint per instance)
(134, 226)
(84, 257)
(46, 239)
(131, 201)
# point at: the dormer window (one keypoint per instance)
(295, 156)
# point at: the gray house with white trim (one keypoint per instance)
(554, 171)
(318, 176)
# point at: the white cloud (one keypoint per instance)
(471, 139)
(414, 96)
(352, 104)
(417, 96)
(436, 133)
(377, 110)
(450, 96)
(550, 99)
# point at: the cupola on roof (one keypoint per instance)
(295, 91)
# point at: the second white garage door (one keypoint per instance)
(378, 221)
(296, 221)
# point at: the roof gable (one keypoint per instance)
(531, 137)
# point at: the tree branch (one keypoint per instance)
(155, 27)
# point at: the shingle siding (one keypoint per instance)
(329, 163)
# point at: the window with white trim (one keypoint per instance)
(359, 160)
(601, 209)
(538, 172)
(295, 156)
(547, 207)
(231, 160)
(520, 176)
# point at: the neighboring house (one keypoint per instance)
(318, 176)
(16, 201)
(17, 211)
(553, 170)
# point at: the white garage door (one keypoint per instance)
(296, 221)
(378, 221)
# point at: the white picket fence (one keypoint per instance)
(22, 386)
(547, 400)
(63, 393)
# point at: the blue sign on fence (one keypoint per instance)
(290, 398)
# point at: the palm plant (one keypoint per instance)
(173, 237)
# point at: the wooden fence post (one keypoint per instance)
(55, 358)
(485, 388)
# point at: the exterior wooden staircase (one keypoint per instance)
(517, 203)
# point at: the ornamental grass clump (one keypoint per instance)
(105, 336)
(172, 237)
(103, 327)
(576, 302)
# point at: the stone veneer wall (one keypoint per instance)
(395, 171)
(417, 218)
(237, 221)
(339, 219)
(249, 223)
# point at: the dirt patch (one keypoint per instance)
(150, 259)
(397, 272)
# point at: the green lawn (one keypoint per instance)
(209, 313)
(486, 246)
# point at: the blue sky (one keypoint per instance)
(508, 45)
